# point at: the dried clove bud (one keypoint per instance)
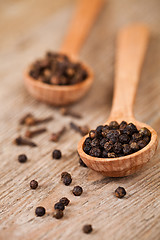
(30, 134)
(30, 120)
(56, 136)
(68, 112)
(83, 130)
(23, 141)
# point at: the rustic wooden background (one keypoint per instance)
(27, 29)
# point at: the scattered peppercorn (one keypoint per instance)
(33, 184)
(87, 228)
(65, 201)
(82, 163)
(116, 140)
(57, 69)
(66, 178)
(59, 206)
(56, 154)
(40, 211)
(120, 192)
(58, 214)
(77, 190)
(22, 158)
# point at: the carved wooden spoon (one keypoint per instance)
(131, 48)
(82, 21)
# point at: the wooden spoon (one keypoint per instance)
(131, 48)
(82, 21)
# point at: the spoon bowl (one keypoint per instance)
(131, 48)
(58, 95)
(121, 166)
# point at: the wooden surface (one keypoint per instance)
(24, 38)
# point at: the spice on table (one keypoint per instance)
(31, 134)
(57, 69)
(77, 190)
(67, 112)
(116, 140)
(65, 201)
(40, 211)
(59, 205)
(20, 141)
(22, 158)
(82, 163)
(56, 154)
(33, 184)
(30, 120)
(66, 178)
(56, 136)
(58, 214)
(83, 130)
(120, 192)
(87, 228)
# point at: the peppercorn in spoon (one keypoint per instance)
(62, 91)
(131, 48)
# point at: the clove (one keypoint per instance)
(30, 120)
(56, 136)
(23, 141)
(30, 134)
(83, 130)
(68, 112)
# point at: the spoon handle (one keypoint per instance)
(82, 21)
(132, 44)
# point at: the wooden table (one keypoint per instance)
(28, 29)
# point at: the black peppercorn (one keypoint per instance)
(117, 147)
(104, 154)
(58, 214)
(40, 211)
(59, 205)
(87, 148)
(95, 152)
(145, 132)
(114, 125)
(134, 146)
(65, 201)
(120, 192)
(105, 130)
(124, 138)
(82, 163)
(102, 142)
(87, 228)
(142, 143)
(22, 158)
(95, 142)
(33, 184)
(67, 181)
(127, 149)
(92, 134)
(122, 125)
(77, 190)
(136, 137)
(66, 178)
(56, 154)
(87, 141)
(108, 146)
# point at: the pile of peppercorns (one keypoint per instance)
(116, 140)
(57, 69)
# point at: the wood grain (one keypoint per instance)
(134, 217)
